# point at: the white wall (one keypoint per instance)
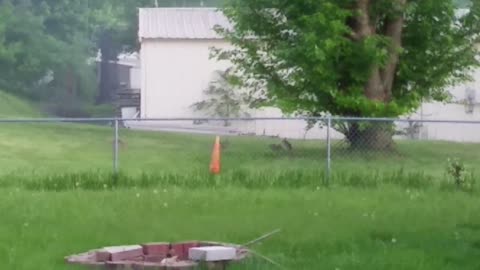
(453, 112)
(174, 75)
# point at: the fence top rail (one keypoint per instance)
(171, 119)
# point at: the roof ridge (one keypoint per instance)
(181, 23)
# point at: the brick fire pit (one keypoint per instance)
(152, 256)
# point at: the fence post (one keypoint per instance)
(115, 147)
(329, 149)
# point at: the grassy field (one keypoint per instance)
(326, 229)
(43, 149)
(381, 211)
(11, 106)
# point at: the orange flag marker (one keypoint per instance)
(215, 163)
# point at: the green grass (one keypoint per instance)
(44, 149)
(381, 210)
(11, 106)
(340, 228)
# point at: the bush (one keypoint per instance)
(459, 175)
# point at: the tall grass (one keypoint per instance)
(287, 179)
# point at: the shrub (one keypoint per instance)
(459, 175)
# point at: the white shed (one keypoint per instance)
(175, 49)
(176, 68)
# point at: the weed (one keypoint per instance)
(459, 175)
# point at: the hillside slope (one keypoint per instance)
(11, 107)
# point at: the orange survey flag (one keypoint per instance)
(215, 163)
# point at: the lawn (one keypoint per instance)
(380, 211)
(43, 149)
(68, 148)
(340, 228)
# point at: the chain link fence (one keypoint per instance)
(323, 149)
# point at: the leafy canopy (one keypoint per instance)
(350, 57)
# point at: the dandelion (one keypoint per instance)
(394, 240)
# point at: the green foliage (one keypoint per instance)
(25, 50)
(44, 48)
(459, 175)
(306, 57)
(222, 99)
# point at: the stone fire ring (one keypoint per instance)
(149, 256)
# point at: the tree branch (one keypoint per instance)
(393, 30)
(363, 28)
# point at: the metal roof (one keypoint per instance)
(180, 23)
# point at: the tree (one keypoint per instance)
(44, 47)
(222, 99)
(25, 50)
(359, 58)
(113, 25)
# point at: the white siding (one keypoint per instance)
(452, 112)
(174, 75)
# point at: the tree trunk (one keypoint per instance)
(379, 85)
(107, 80)
(375, 136)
